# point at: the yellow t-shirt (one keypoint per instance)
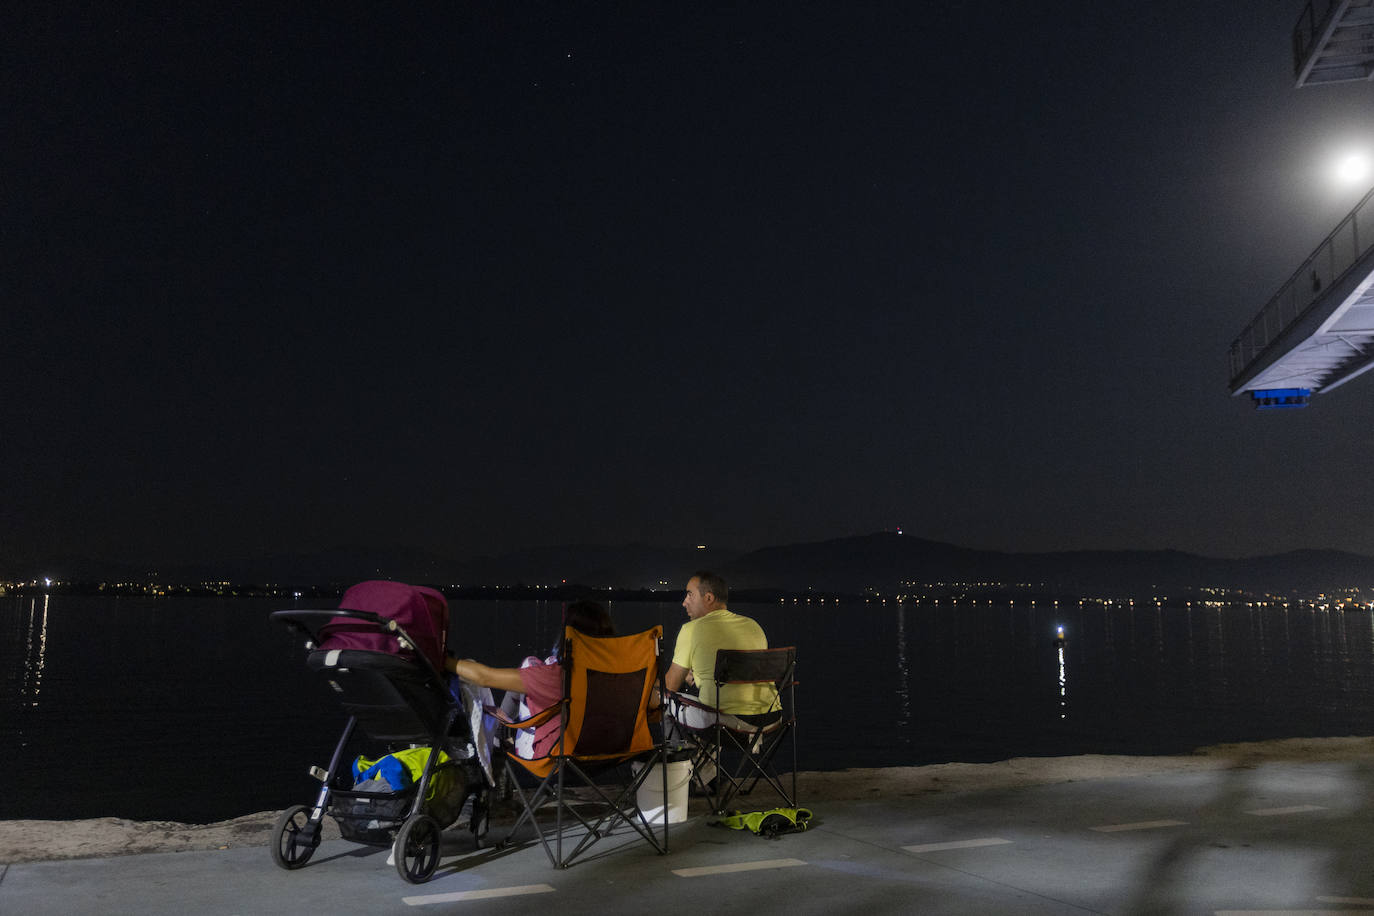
(697, 644)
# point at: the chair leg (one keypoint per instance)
(529, 804)
(624, 806)
(755, 766)
(761, 772)
(614, 808)
(558, 817)
(614, 812)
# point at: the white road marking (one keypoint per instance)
(738, 866)
(1289, 912)
(1292, 809)
(958, 844)
(489, 893)
(1138, 825)
(1357, 901)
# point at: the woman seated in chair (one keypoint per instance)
(539, 683)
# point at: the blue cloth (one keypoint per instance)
(388, 768)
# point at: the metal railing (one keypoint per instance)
(1312, 22)
(1339, 252)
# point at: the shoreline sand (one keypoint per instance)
(38, 840)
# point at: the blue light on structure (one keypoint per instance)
(1281, 398)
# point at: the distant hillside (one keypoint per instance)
(600, 566)
(881, 561)
(850, 565)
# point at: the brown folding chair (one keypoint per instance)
(744, 747)
(608, 682)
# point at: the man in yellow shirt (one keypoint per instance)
(713, 626)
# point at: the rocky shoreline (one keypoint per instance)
(38, 840)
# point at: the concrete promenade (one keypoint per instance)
(1240, 835)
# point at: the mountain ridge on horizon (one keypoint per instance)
(888, 557)
(877, 562)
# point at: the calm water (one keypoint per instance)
(197, 710)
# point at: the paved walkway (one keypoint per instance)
(1273, 838)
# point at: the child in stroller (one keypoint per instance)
(382, 652)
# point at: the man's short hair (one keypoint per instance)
(708, 581)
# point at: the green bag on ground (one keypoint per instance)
(771, 823)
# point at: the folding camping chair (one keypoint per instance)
(608, 682)
(743, 747)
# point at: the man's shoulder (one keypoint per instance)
(724, 613)
(727, 621)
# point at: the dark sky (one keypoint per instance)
(475, 277)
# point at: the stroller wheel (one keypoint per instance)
(481, 820)
(294, 838)
(417, 848)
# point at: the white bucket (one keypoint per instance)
(650, 794)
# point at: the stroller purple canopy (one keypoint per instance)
(421, 612)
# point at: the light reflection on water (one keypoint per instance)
(903, 676)
(214, 685)
(1063, 684)
(36, 652)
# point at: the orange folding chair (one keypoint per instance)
(605, 711)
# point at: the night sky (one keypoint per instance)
(472, 277)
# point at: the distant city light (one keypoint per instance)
(701, 547)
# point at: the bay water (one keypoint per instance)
(201, 709)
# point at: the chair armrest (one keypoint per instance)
(538, 718)
(686, 699)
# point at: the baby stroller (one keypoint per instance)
(382, 652)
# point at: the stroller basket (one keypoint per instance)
(371, 817)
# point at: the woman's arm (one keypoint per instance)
(474, 672)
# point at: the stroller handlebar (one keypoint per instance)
(312, 623)
(305, 619)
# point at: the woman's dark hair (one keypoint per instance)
(589, 617)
